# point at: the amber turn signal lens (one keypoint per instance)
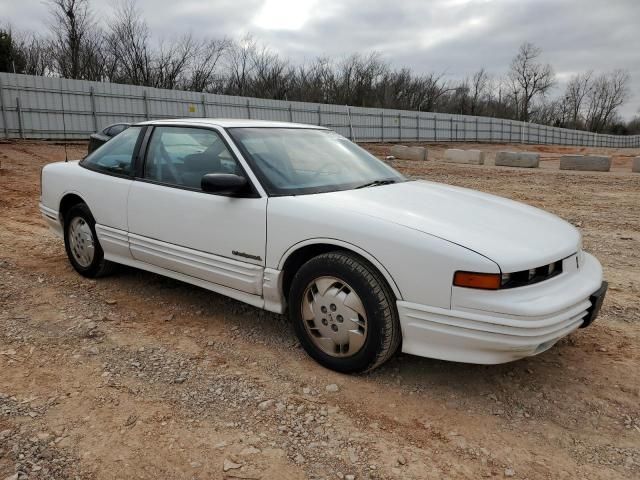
(485, 281)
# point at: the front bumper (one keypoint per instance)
(489, 327)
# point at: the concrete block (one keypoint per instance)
(417, 153)
(474, 157)
(409, 153)
(518, 159)
(635, 165)
(399, 151)
(590, 163)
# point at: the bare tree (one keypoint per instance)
(607, 93)
(128, 43)
(240, 65)
(529, 78)
(633, 125)
(11, 55)
(172, 61)
(311, 83)
(479, 85)
(434, 87)
(575, 94)
(551, 112)
(36, 54)
(202, 76)
(70, 27)
(272, 75)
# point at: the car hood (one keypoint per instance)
(514, 235)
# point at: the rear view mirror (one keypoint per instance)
(224, 184)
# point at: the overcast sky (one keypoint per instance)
(452, 36)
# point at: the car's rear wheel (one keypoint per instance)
(82, 245)
(344, 312)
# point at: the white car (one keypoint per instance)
(296, 217)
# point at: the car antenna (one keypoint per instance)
(64, 128)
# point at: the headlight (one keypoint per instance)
(495, 281)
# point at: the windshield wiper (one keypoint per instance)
(376, 183)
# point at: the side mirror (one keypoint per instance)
(224, 184)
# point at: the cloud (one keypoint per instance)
(456, 37)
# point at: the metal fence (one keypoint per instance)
(55, 108)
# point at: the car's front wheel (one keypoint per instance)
(344, 312)
(82, 245)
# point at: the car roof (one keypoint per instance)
(114, 124)
(230, 123)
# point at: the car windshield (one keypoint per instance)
(296, 161)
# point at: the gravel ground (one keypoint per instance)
(138, 376)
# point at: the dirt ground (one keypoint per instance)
(139, 376)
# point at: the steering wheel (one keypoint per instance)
(324, 168)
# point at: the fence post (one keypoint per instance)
(456, 131)
(382, 126)
(93, 109)
(319, 116)
(350, 123)
(248, 110)
(418, 127)
(490, 130)
(204, 106)
(290, 113)
(4, 115)
(146, 105)
(19, 110)
(435, 128)
(399, 127)
(476, 119)
(450, 128)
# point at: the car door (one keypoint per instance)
(173, 224)
(106, 179)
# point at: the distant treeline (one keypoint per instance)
(120, 49)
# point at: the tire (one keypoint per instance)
(80, 222)
(322, 289)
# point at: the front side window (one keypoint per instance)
(115, 156)
(295, 161)
(182, 156)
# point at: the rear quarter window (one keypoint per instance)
(116, 129)
(115, 156)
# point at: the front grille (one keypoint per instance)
(531, 276)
